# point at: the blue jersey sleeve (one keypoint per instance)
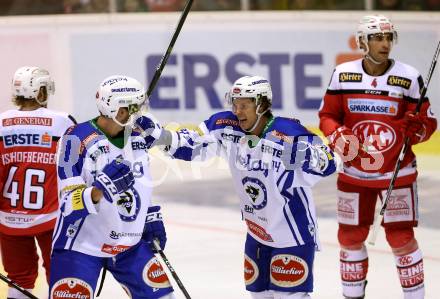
(75, 198)
(204, 142)
(307, 159)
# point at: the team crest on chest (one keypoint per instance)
(256, 191)
(376, 136)
(128, 205)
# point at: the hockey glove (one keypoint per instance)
(413, 127)
(115, 178)
(150, 129)
(154, 228)
(344, 143)
(319, 160)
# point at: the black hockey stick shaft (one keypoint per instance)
(16, 286)
(379, 218)
(173, 272)
(163, 61)
(167, 54)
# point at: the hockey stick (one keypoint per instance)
(378, 219)
(161, 66)
(173, 272)
(16, 286)
(167, 54)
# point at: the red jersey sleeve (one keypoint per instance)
(331, 113)
(426, 113)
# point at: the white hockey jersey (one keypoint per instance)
(28, 197)
(102, 229)
(275, 192)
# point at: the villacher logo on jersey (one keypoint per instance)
(71, 288)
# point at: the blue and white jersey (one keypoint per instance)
(103, 229)
(269, 174)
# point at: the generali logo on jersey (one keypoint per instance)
(27, 121)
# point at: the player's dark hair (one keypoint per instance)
(266, 104)
(20, 101)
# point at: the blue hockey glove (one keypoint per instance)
(154, 228)
(115, 178)
(319, 160)
(150, 129)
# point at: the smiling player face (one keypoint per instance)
(245, 110)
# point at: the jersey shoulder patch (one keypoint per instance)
(287, 129)
(403, 75)
(83, 135)
(222, 119)
(347, 72)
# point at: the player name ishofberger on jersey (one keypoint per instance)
(28, 157)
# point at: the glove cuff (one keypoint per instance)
(153, 214)
(106, 185)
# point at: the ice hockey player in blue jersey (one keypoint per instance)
(106, 218)
(274, 162)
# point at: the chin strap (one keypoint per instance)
(372, 60)
(259, 115)
(367, 50)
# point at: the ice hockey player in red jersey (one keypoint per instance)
(367, 112)
(28, 178)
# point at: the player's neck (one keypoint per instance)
(30, 105)
(260, 127)
(108, 126)
(374, 69)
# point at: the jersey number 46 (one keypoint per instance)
(11, 188)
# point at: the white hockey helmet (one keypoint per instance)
(28, 80)
(117, 92)
(373, 24)
(254, 87)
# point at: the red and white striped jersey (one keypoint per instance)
(373, 107)
(28, 176)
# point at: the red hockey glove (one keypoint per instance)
(413, 127)
(347, 146)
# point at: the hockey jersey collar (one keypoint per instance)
(117, 141)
